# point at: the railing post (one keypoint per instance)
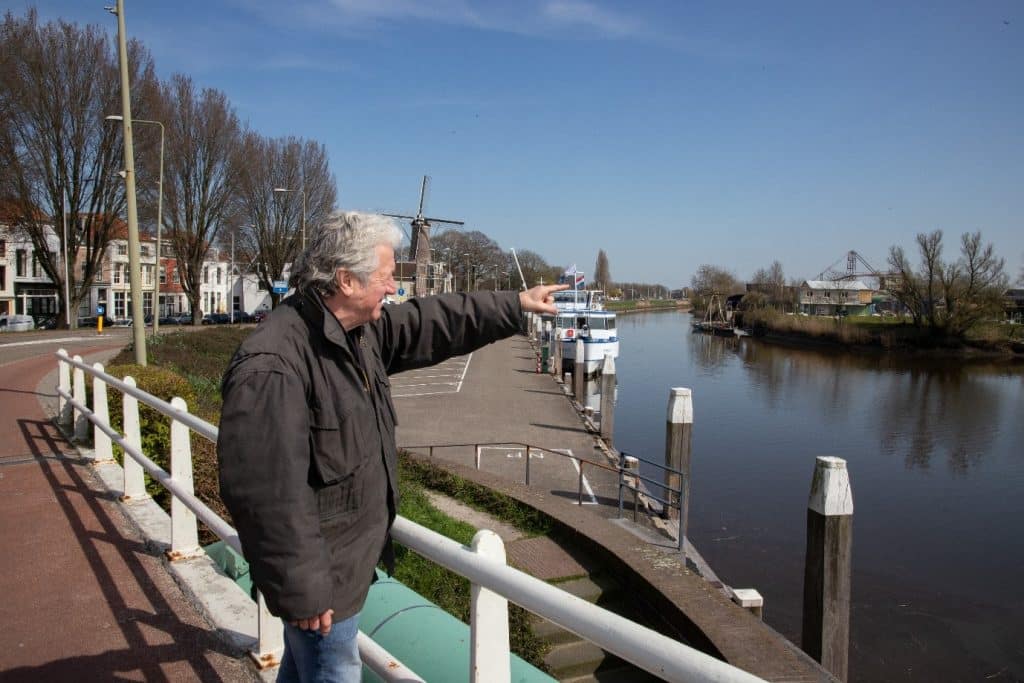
(558, 354)
(81, 421)
(826, 614)
(64, 382)
(184, 531)
(134, 475)
(101, 442)
(488, 626)
(678, 433)
(527, 464)
(478, 449)
(579, 485)
(608, 398)
(269, 636)
(622, 480)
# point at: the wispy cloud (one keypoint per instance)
(580, 14)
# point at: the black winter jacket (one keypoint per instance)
(306, 450)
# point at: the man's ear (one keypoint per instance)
(344, 279)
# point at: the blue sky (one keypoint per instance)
(669, 134)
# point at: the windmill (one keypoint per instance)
(419, 240)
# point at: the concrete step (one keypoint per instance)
(618, 672)
(574, 658)
(590, 588)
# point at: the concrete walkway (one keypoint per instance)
(84, 598)
(501, 398)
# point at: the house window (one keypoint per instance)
(206, 275)
(117, 272)
(36, 270)
(218, 276)
(122, 249)
(119, 305)
(3, 248)
(828, 295)
(163, 276)
(144, 250)
(175, 277)
(19, 263)
(147, 303)
(3, 277)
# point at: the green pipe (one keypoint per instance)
(424, 637)
(414, 630)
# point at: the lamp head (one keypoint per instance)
(113, 117)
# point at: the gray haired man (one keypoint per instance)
(307, 450)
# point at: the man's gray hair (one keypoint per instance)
(349, 240)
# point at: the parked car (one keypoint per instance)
(185, 319)
(216, 319)
(47, 323)
(169, 320)
(16, 322)
(90, 321)
(243, 317)
(259, 316)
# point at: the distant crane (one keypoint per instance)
(419, 240)
(853, 259)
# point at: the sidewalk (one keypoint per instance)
(84, 599)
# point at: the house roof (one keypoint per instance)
(835, 285)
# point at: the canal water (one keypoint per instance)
(935, 451)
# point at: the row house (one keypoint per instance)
(25, 288)
(835, 297)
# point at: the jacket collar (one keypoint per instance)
(313, 309)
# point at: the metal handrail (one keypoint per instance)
(645, 648)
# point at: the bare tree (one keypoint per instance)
(272, 239)
(952, 297)
(602, 277)
(57, 83)
(771, 282)
(201, 178)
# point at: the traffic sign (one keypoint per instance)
(100, 310)
(401, 291)
(280, 286)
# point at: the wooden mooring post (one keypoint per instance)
(607, 398)
(678, 435)
(579, 373)
(826, 613)
(556, 353)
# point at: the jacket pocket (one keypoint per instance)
(338, 499)
(337, 444)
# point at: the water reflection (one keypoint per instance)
(936, 459)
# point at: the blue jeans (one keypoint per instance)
(312, 658)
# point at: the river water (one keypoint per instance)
(935, 451)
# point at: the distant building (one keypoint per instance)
(839, 297)
(1013, 304)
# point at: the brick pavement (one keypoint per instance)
(84, 598)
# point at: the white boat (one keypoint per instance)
(597, 330)
(579, 300)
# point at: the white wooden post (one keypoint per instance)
(269, 636)
(489, 657)
(579, 372)
(826, 613)
(184, 530)
(101, 442)
(478, 451)
(64, 382)
(678, 435)
(607, 397)
(81, 421)
(134, 475)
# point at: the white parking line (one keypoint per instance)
(586, 484)
(406, 384)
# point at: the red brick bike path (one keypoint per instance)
(83, 598)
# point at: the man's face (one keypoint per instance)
(366, 300)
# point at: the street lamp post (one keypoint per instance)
(138, 322)
(159, 217)
(301, 191)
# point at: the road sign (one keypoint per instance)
(280, 286)
(100, 310)
(401, 291)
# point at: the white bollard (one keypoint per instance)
(678, 435)
(184, 529)
(102, 449)
(134, 475)
(269, 637)
(607, 398)
(489, 657)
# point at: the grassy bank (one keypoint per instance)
(626, 306)
(893, 334)
(190, 364)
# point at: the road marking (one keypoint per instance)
(445, 378)
(586, 484)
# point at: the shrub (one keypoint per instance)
(154, 426)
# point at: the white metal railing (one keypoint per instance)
(493, 581)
